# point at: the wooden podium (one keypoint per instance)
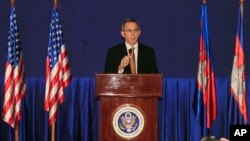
(128, 106)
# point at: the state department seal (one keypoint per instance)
(128, 121)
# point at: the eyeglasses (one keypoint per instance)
(131, 30)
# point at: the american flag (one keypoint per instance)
(238, 106)
(205, 101)
(58, 74)
(14, 83)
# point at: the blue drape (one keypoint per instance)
(79, 114)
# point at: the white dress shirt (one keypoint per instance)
(135, 52)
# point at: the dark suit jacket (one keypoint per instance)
(146, 59)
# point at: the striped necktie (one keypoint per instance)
(132, 60)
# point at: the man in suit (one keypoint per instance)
(119, 57)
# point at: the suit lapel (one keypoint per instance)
(124, 50)
(139, 59)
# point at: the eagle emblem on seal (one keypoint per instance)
(128, 122)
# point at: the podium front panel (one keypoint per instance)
(109, 105)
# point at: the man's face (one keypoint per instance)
(131, 33)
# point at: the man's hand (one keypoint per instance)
(124, 62)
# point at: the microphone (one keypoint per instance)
(130, 51)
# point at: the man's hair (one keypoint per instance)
(209, 138)
(127, 20)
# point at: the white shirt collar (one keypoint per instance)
(128, 46)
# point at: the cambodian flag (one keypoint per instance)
(238, 106)
(205, 99)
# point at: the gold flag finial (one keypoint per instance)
(12, 3)
(55, 3)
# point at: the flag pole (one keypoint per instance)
(16, 132)
(52, 136)
(12, 3)
(55, 3)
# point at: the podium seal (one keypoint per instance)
(128, 121)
